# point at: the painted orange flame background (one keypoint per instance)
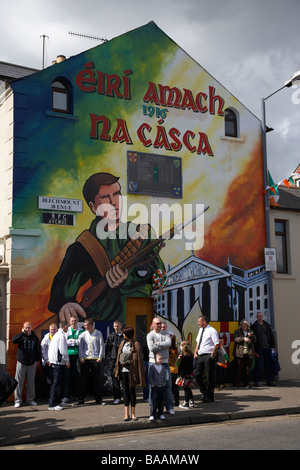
(238, 231)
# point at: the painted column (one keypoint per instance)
(187, 303)
(198, 293)
(214, 299)
(174, 316)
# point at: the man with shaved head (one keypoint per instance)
(28, 354)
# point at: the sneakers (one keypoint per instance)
(171, 411)
(65, 400)
(116, 401)
(162, 417)
(31, 403)
(184, 405)
(64, 405)
(17, 404)
(55, 408)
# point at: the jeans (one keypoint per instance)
(71, 385)
(146, 388)
(264, 356)
(116, 386)
(175, 389)
(57, 384)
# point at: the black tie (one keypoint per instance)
(201, 336)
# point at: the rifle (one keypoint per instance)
(133, 259)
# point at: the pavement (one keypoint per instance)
(36, 424)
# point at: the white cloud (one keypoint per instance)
(250, 47)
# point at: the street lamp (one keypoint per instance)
(291, 81)
(294, 80)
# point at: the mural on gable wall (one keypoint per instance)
(146, 128)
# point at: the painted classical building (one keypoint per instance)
(137, 124)
(195, 280)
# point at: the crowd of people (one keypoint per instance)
(71, 357)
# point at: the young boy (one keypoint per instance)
(157, 381)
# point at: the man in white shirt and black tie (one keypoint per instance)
(206, 353)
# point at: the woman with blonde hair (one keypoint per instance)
(244, 340)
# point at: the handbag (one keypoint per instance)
(188, 381)
(124, 359)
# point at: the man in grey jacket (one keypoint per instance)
(91, 353)
(160, 341)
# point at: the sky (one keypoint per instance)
(252, 47)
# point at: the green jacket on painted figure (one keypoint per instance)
(78, 268)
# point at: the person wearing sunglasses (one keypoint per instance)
(159, 341)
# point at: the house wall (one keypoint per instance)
(6, 162)
(6, 179)
(117, 108)
(286, 298)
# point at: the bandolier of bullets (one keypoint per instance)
(127, 254)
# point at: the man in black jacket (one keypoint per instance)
(111, 351)
(28, 354)
(265, 342)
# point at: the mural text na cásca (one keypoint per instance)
(156, 96)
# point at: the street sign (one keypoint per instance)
(54, 218)
(60, 204)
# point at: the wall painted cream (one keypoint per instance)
(286, 288)
(6, 162)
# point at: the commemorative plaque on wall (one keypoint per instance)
(154, 175)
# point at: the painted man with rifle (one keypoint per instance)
(107, 255)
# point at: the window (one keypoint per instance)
(281, 245)
(61, 97)
(231, 128)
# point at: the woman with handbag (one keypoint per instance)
(130, 370)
